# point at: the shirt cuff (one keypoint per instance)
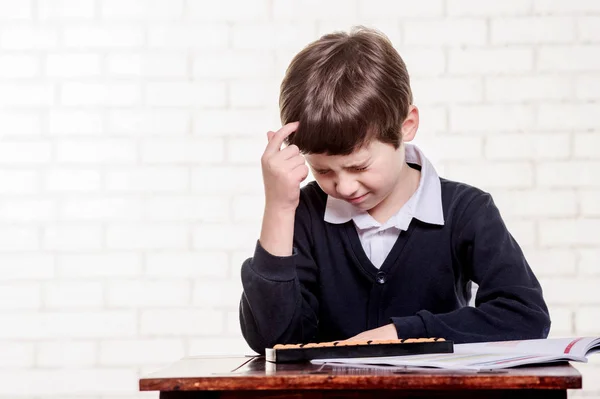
(274, 268)
(409, 327)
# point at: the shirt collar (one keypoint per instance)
(425, 204)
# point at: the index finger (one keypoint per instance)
(280, 135)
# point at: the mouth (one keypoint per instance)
(357, 200)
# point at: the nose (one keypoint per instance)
(346, 186)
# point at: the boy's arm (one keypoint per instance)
(509, 302)
(277, 305)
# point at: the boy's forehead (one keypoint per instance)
(359, 155)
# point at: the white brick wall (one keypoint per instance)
(130, 184)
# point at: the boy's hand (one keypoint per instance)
(386, 332)
(283, 171)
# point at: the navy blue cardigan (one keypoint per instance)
(329, 290)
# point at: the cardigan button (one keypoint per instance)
(380, 277)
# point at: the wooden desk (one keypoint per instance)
(248, 377)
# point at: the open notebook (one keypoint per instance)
(490, 355)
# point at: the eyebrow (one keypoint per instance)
(351, 166)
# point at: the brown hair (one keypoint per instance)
(346, 89)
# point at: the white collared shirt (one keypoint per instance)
(378, 239)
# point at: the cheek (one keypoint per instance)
(325, 184)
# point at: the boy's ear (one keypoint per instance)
(410, 124)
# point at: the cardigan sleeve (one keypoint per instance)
(279, 304)
(509, 304)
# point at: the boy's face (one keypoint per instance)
(364, 178)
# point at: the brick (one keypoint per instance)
(208, 94)
(477, 8)
(105, 151)
(148, 123)
(225, 237)
(227, 179)
(25, 152)
(311, 10)
(517, 89)
(59, 295)
(561, 7)
(15, 10)
(587, 28)
(254, 93)
(148, 179)
(552, 262)
(248, 208)
(562, 319)
(232, 322)
(186, 264)
(101, 209)
(63, 382)
(183, 150)
(492, 175)
(444, 147)
(90, 36)
(28, 210)
(72, 180)
(568, 174)
(452, 32)
(26, 37)
(423, 62)
(444, 90)
(253, 123)
(274, 36)
(94, 265)
(587, 87)
(51, 325)
(433, 119)
(19, 66)
(523, 231)
(145, 293)
(26, 94)
(20, 123)
(562, 233)
(536, 29)
(25, 295)
(581, 116)
(142, 9)
(177, 323)
(586, 145)
(195, 36)
(100, 94)
(26, 266)
(72, 238)
(163, 65)
(17, 354)
(228, 10)
(217, 294)
(67, 353)
(490, 60)
(140, 351)
(19, 239)
(245, 150)
(19, 182)
(491, 118)
(202, 208)
(66, 9)
(571, 58)
(589, 261)
(220, 346)
(140, 236)
(76, 123)
(233, 64)
(67, 65)
(387, 8)
(586, 319)
(570, 291)
(530, 146)
(537, 203)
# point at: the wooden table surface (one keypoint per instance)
(245, 375)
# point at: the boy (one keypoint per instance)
(379, 247)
